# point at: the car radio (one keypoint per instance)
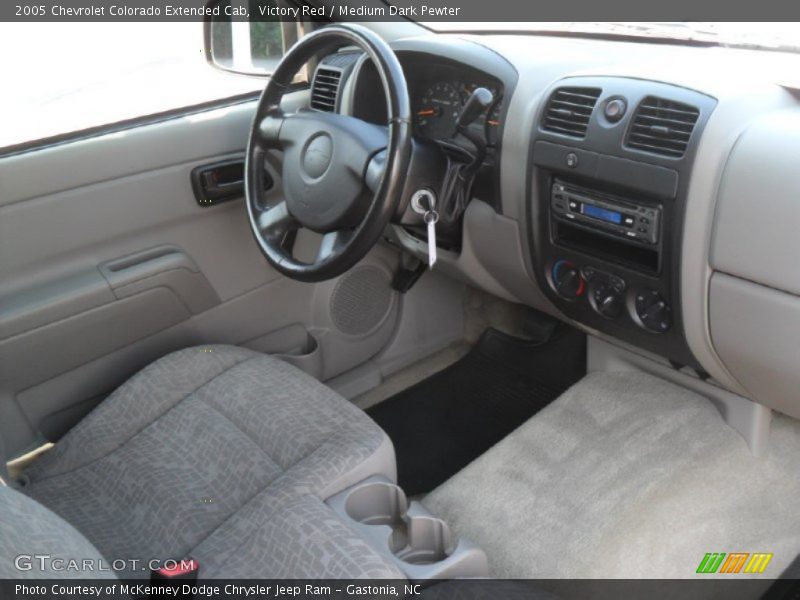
(610, 215)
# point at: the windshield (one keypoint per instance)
(777, 36)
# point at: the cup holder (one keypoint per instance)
(421, 540)
(377, 503)
(417, 540)
(422, 545)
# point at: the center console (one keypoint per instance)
(611, 161)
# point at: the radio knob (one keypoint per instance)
(653, 311)
(607, 301)
(567, 280)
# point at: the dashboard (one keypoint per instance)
(632, 190)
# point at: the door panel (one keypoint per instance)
(87, 226)
(107, 262)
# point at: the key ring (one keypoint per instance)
(430, 217)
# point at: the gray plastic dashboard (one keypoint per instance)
(736, 281)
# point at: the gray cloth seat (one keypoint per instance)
(222, 454)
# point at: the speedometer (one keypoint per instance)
(438, 111)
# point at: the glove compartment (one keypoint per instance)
(754, 295)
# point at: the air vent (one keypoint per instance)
(662, 126)
(325, 89)
(569, 110)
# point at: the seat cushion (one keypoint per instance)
(204, 448)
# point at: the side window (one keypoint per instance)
(107, 73)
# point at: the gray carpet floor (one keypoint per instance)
(626, 476)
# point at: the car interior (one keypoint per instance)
(431, 305)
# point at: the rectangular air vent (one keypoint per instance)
(325, 89)
(662, 126)
(569, 110)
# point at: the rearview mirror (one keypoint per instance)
(234, 43)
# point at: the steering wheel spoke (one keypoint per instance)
(269, 130)
(374, 173)
(332, 243)
(276, 222)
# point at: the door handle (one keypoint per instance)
(221, 181)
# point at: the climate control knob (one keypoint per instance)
(653, 311)
(607, 301)
(567, 280)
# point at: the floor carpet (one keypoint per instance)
(441, 424)
(627, 476)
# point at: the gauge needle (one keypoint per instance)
(427, 112)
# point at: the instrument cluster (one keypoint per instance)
(438, 104)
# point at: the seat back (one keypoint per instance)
(29, 531)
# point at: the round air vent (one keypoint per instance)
(361, 300)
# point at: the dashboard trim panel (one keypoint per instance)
(647, 311)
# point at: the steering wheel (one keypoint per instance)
(342, 177)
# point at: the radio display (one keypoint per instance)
(602, 213)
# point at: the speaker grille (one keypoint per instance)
(361, 300)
